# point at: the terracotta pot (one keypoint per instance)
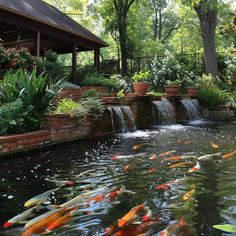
(192, 91)
(172, 90)
(141, 87)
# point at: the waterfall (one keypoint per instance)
(164, 112)
(122, 119)
(192, 107)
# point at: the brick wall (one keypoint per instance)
(17, 143)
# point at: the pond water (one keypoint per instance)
(213, 188)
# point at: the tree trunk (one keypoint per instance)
(155, 25)
(208, 22)
(123, 45)
(160, 25)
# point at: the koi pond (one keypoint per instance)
(156, 172)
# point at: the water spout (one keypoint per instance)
(164, 112)
(192, 107)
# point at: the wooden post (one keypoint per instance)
(74, 64)
(37, 44)
(96, 59)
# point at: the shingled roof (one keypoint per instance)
(49, 15)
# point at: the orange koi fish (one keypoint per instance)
(131, 215)
(137, 229)
(167, 153)
(153, 157)
(228, 155)
(188, 195)
(180, 165)
(213, 145)
(61, 221)
(40, 225)
(152, 171)
(197, 167)
(174, 228)
(111, 229)
(174, 158)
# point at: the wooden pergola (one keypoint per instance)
(39, 26)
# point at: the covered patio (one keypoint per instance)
(39, 26)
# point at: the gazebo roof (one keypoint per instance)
(47, 15)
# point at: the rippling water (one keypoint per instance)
(214, 200)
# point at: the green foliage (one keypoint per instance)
(226, 228)
(121, 93)
(84, 71)
(141, 76)
(174, 82)
(93, 106)
(209, 94)
(35, 93)
(70, 85)
(91, 93)
(16, 118)
(99, 80)
(66, 106)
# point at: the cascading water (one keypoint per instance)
(192, 107)
(122, 119)
(164, 112)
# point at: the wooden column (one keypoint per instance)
(96, 59)
(37, 44)
(74, 64)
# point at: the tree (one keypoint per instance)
(207, 14)
(122, 8)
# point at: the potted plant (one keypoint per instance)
(192, 89)
(140, 82)
(172, 88)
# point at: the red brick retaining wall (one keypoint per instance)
(27, 141)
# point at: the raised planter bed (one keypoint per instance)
(73, 93)
(17, 143)
(99, 89)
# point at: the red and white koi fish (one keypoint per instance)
(21, 218)
(118, 192)
(60, 182)
(130, 217)
(197, 167)
(228, 155)
(39, 199)
(163, 187)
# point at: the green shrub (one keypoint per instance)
(71, 107)
(91, 93)
(99, 80)
(34, 91)
(66, 105)
(15, 118)
(209, 94)
(84, 71)
(93, 106)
